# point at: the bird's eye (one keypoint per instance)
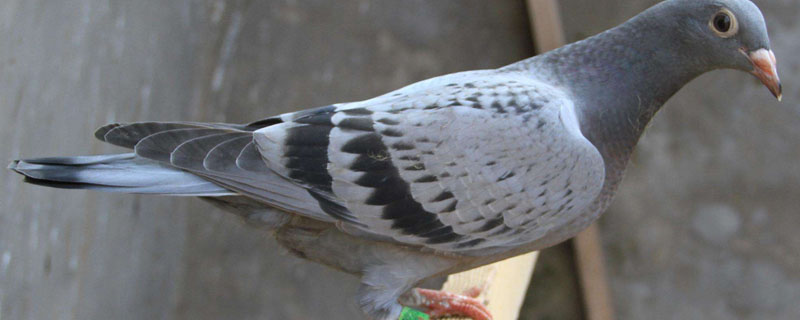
(724, 24)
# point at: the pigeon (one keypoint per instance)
(446, 174)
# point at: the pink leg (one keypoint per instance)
(440, 304)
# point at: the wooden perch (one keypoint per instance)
(502, 284)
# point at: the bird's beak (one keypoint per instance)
(765, 69)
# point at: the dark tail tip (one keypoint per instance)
(14, 166)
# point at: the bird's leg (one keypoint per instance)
(440, 304)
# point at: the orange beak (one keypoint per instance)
(765, 69)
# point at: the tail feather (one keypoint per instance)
(115, 173)
(180, 159)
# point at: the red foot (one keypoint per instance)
(440, 304)
(473, 292)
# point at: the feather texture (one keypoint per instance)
(408, 165)
(115, 173)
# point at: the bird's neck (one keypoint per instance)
(619, 80)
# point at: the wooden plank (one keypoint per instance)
(502, 284)
(546, 27)
(591, 268)
(548, 33)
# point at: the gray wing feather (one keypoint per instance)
(220, 153)
(458, 163)
(160, 146)
(128, 135)
(187, 154)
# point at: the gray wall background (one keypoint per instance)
(704, 227)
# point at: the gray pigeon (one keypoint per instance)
(445, 174)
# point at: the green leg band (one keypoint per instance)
(412, 314)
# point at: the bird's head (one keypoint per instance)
(731, 34)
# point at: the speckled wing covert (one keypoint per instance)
(457, 163)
